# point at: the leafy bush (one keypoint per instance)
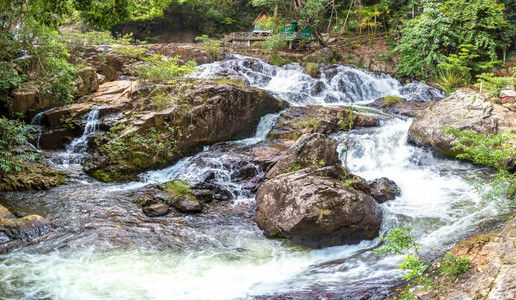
(159, 68)
(493, 150)
(277, 60)
(100, 37)
(143, 150)
(12, 134)
(399, 241)
(272, 43)
(493, 85)
(452, 265)
(211, 46)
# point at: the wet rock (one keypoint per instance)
(312, 207)
(209, 113)
(299, 120)
(464, 110)
(268, 155)
(384, 189)
(57, 138)
(492, 274)
(419, 91)
(35, 177)
(29, 98)
(329, 70)
(5, 213)
(204, 195)
(310, 150)
(188, 205)
(24, 228)
(405, 108)
(156, 210)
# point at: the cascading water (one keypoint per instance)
(338, 84)
(106, 248)
(77, 149)
(37, 125)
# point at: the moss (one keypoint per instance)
(230, 81)
(178, 189)
(276, 234)
(390, 100)
(312, 69)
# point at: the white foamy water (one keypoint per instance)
(226, 256)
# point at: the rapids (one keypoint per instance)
(103, 247)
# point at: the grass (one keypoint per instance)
(309, 122)
(390, 100)
(312, 69)
(453, 265)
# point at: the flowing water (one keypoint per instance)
(103, 247)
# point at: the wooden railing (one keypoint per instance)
(263, 35)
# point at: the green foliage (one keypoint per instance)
(493, 85)
(318, 162)
(272, 43)
(493, 150)
(449, 79)
(143, 150)
(211, 46)
(162, 100)
(277, 60)
(132, 51)
(347, 126)
(452, 265)
(178, 188)
(97, 37)
(161, 68)
(414, 265)
(390, 100)
(12, 134)
(460, 36)
(294, 167)
(399, 241)
(309, 122)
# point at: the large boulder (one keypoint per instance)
(25, 228)
(208, 113)
(317, 209)
(401, 106)
(299, 120)
(35, 177)
(464, 110)
(185, 52)
(314, 149)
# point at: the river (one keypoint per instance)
(103, 247)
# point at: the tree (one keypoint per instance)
(307, 13)
(443, 27)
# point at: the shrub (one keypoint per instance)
(12, 134)
(452, 265)
(272, 43)
(161, 68)
(493, 85)
(312, 69)
(399, 241)
(390, 100)
(211, 46)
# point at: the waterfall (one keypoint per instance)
(37, 125)
(221, 254)
(336, 84)
(77, 149)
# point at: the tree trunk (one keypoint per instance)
(275, 11)
(318, 37)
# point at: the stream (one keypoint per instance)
(104, 247)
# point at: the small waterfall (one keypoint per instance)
(337, 84)
(77, 149)
(37, 125)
